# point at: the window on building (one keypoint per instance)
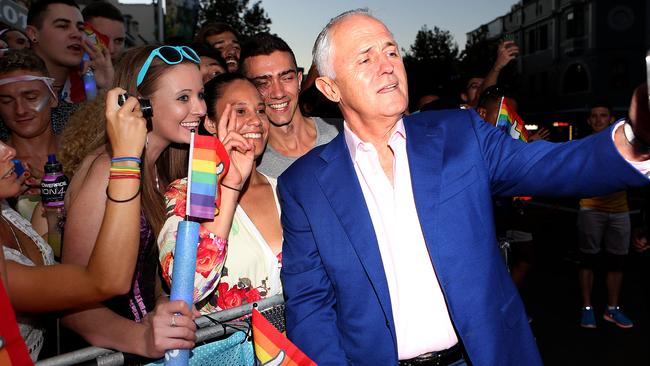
(575, 80)
(543, 37)
(575, 23)
(532, 41)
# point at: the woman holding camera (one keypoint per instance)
(33, 280)
(143, 322)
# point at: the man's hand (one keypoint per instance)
(541, 134)
(640, 122)
(507, 51)
(100, 61)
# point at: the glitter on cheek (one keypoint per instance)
(39, 105)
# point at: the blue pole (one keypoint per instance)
(187, 241)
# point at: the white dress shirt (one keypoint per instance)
(422, 322)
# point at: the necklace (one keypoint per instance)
(20, 248)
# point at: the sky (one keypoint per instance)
(298, 22)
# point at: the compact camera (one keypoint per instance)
(145, 105)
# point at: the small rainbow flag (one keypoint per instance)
(208, 163)
(272, 347)
(510, 122)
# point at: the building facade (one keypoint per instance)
(574, 52)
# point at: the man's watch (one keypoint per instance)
(632, 139)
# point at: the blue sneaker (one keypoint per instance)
(588, 318)
(617, 317)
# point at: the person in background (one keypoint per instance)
(269, 63)
(55, 29)
(15, 39)
(603, 224)
(212, 64)
(224, 38)
(26, 100)
(109, 21)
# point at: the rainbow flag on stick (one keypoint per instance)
(208, 162)
(510, 122)
(272, 347)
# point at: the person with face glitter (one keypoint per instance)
(35, 283)
(141, 322)
(270, 64)
(26, 99)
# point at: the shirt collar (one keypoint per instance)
(355, 144)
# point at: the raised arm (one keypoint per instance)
(110, 267)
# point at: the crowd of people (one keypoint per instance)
(357, 220)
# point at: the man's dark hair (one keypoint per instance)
(601, 104)
(211, 29)
(22, 60)
(37, 11)
(264, 44)
(493, 94)
(102, 9)
(204, 50)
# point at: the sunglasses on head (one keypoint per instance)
(171, 55)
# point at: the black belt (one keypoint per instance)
(438, 358)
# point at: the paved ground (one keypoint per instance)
(553, 301)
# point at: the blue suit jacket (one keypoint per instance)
(338, 306)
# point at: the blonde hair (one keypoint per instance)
(84, 133)
(89, 132)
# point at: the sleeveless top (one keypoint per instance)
(141, 298)
(30, 329)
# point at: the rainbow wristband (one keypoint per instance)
(120, 159)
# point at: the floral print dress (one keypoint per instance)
(227, 275)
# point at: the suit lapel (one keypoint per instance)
(339, 182)
(424, 146)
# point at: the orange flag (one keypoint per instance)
(272, 347)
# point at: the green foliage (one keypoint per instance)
(245, 19)
(432, 63)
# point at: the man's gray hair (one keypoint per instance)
(322, 52)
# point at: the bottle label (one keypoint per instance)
(53, 188)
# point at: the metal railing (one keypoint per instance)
(208, 328)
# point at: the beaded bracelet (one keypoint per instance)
(120, 159)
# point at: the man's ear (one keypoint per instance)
(31, 33)
(299, 81)
(464, 97)
(210, 125)
(482, 112)
(329, 88)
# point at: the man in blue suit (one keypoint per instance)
(390, 254)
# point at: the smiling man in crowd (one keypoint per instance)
(270, 64)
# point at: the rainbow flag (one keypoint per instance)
(208, 163)
(510, 122)
(272, 347)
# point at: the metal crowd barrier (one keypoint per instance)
(206, 330)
